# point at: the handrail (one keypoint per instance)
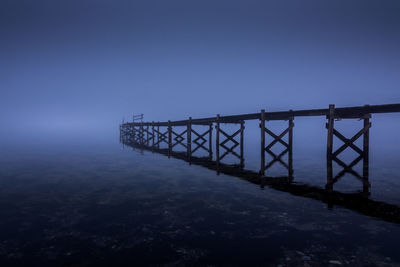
(345, 112)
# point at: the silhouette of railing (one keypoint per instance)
(140, 133)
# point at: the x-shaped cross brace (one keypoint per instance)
(179, 138)
(348, 168)
(162, 137)
(229, 150)
(138, 134)
(150, 135)
(277, 138)
(202, 142)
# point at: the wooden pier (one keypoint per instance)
(151, 135)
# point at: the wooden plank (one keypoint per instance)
(262, 128)
(366, 184)
(141, 134)
(147, 136)
(241, 144)
(349, 112)
(210, 141)
(154, 137)
(158, 136)
(169, 138)
(290, 156)
(329, 147)
(217, 144)
(189, 139)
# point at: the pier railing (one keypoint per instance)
(152, 135)
(345, 112)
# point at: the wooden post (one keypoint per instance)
(290, 143)
(120, 133)
(366, 184)
(123, 136)
(123, 142)
(154, 136)
(241, 144)
(136, 133)
(189, 139)
(147, 134)
(158, 136)
(210, 141)
(136, 130)
(217, 144)
(141, 133)
(262, 127)
(329, 147)
(169, 138)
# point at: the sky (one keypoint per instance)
(82, 66)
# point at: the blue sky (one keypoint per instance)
(81, 66)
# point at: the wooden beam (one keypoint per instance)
(329, 147)
(241, 144)
(262, 128)
(189, 139)
(210, 141)
(169, 138)
(346, 112)
(290, 156)
(154, 137)
(366, 184)
(217, 144)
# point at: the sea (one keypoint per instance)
(91, 200)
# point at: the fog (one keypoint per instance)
(76, 69)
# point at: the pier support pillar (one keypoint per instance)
(217, 143)
(169, 139)
(147, 136)
(158, 136)
(290, 152)
(262, 128)
(141, 134)
(210, 141)
(198, 139)
(154, 136)
(366, 184)
(241, 144)
(329, 148)
(189, 139)
(363, 154)
(230, 150)
(288, 146)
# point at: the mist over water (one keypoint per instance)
(309, 149)
(93, 201)
(72, 71)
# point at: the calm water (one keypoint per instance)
(66, 203)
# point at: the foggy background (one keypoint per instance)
(75, 69)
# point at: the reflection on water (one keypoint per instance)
(108, 205)
(359, 201)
